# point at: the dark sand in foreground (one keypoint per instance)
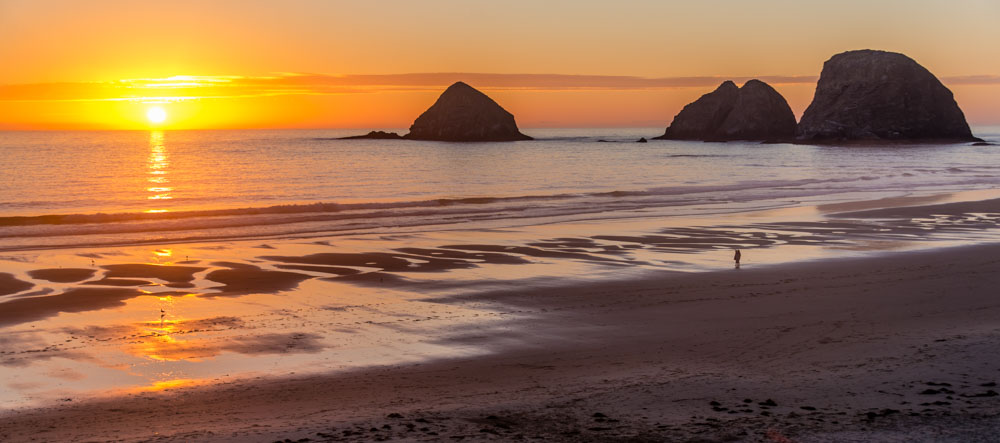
(899, 347)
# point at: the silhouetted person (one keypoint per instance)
(736, 257)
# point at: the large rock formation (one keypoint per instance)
(878, 95)
(463, 114)
(754, 112)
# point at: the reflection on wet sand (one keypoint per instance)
(167, 385)
(21, 310)
(119, 282)
(166, 323)
(167, 348)
(175, 276)
(243, 279)
(383, 261)
(192, 340)
(870, 230)
(21, 349)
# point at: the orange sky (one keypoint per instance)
(247, 64)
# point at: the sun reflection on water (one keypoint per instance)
(159, 161)
(163, 256)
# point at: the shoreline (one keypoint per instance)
(848, 338)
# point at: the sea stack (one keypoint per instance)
(463, 114)
(701, 119)
(753, 112)
(881, 96)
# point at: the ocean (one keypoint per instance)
(84, 189)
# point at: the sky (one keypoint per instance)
(68, 64)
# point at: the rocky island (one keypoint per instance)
(752, 112)
(870, 95)
(460, 114)
(463, 114)
(376, 135)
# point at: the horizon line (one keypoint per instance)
(659, 126)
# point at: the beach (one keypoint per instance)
(863, 306)
(893, 348)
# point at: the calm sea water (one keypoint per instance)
(92, 188)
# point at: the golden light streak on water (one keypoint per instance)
(159, 162)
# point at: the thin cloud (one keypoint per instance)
(222, 87)
(972, 80)
(214, 87)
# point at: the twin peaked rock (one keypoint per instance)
(754, 112)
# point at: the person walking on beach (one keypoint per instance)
(736, 257)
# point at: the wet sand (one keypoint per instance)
(11, 285)
(983, 208)
(895, 347)
(62, 275)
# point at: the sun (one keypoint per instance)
(156, 115)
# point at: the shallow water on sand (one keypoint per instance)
(132, 319)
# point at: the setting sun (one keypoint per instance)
(156, 115)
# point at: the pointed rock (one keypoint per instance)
(881, 96)
(700, 119)
(462, 113)
(753, 112)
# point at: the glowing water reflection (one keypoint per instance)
(159, 185)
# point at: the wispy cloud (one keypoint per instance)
(212, 87)
(208, 87)
(972, 80)
(525, 81)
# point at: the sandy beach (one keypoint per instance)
(898, 347)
